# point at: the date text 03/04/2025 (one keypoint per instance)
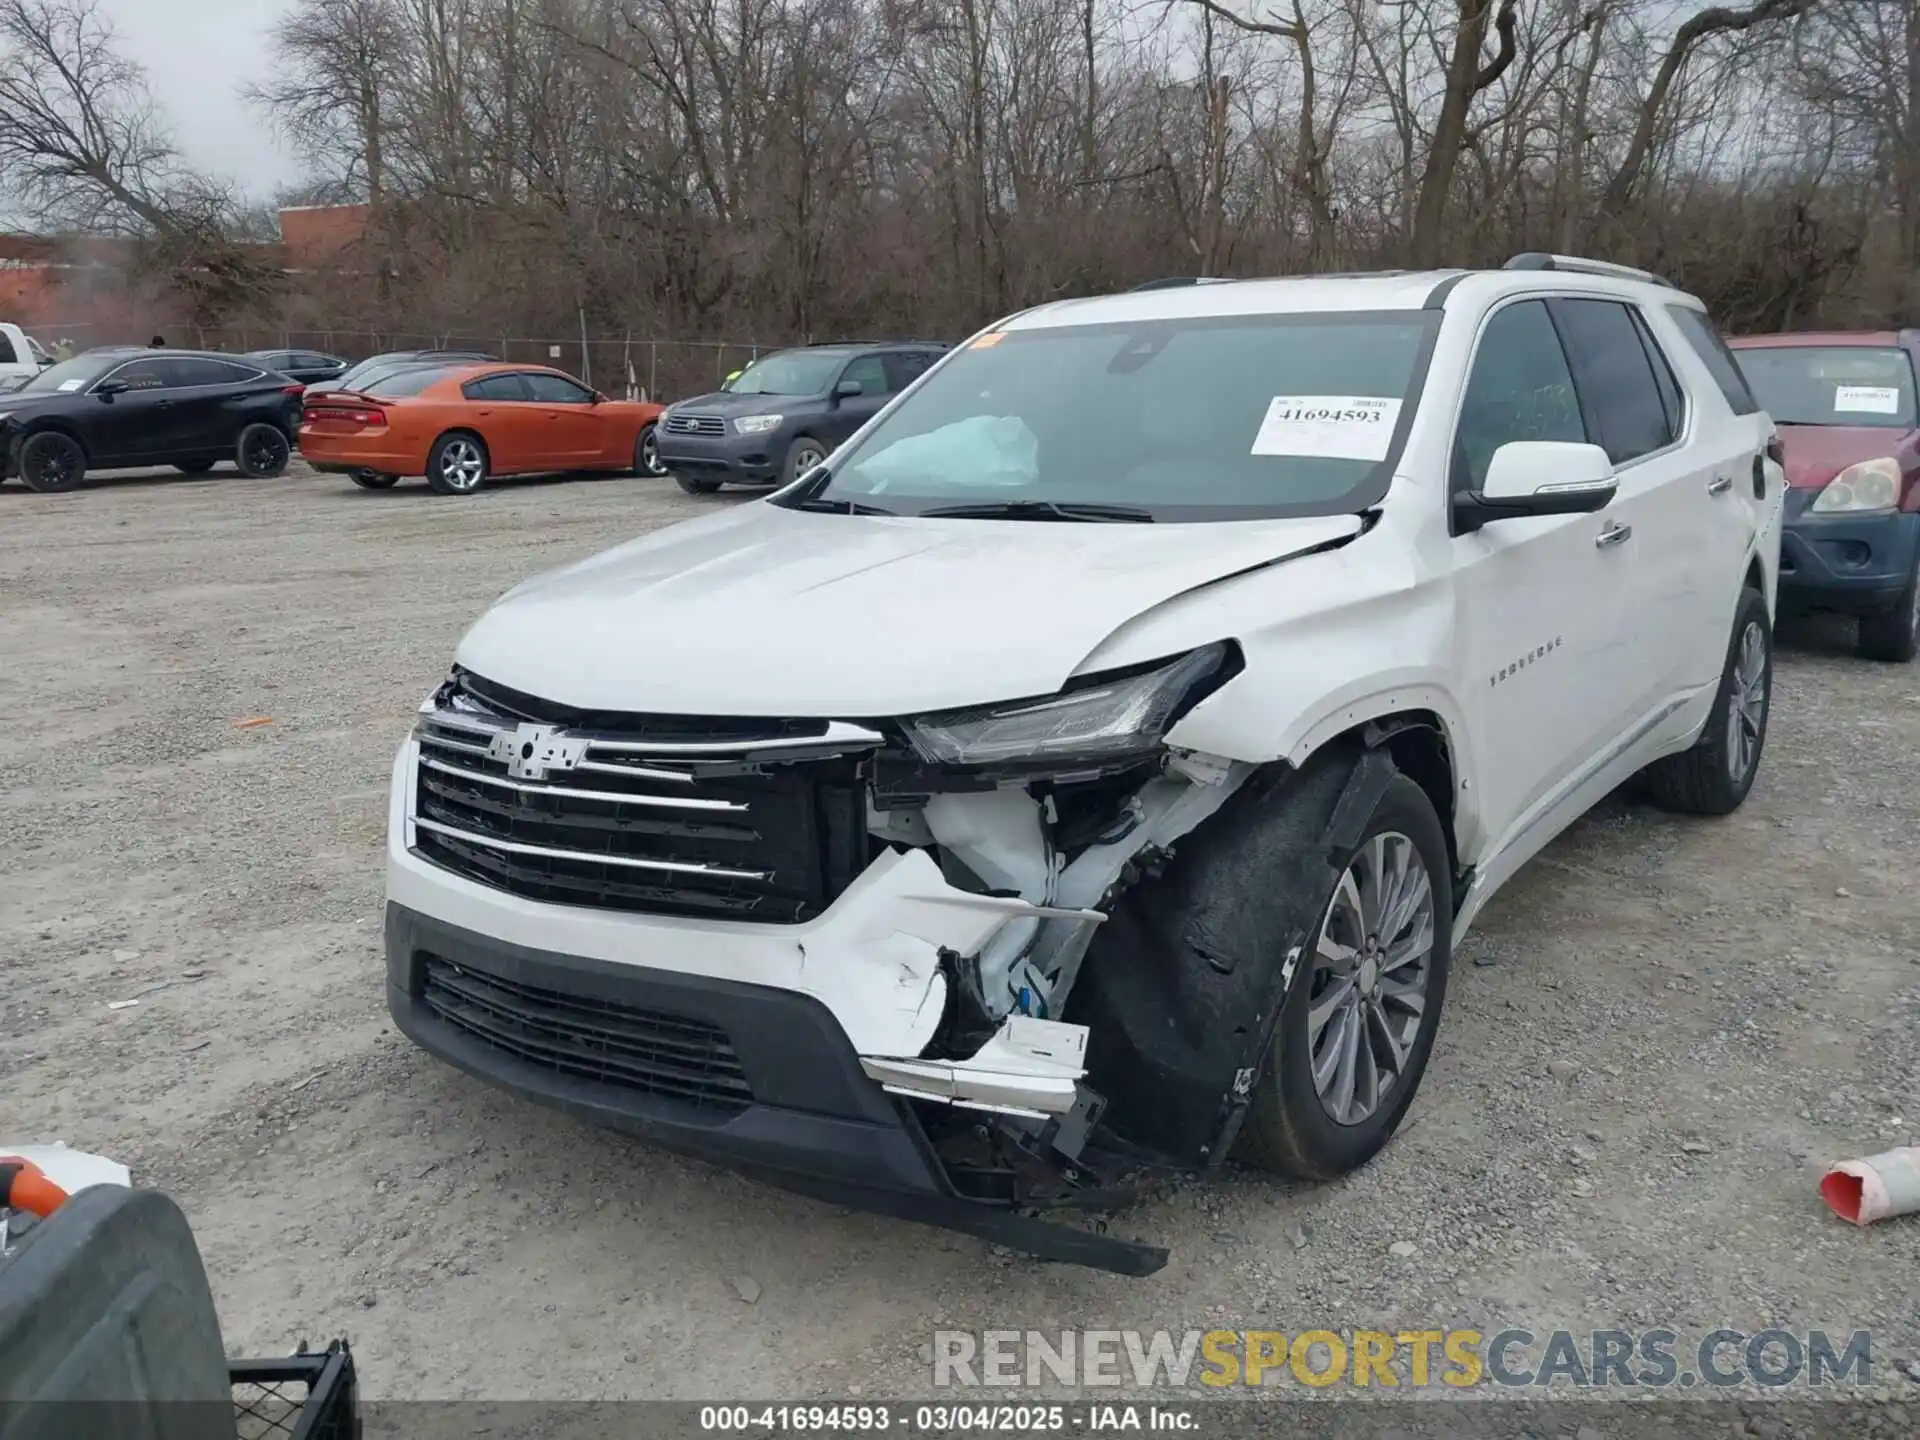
(947, 1419)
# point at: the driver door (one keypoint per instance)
(850, 412)
(1541, 643)
(136, 425)
(571, 428)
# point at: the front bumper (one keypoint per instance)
(726, 459)
(1853, 564)
(738, 1043)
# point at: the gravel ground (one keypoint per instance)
(1655, 1037)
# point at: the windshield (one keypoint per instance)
(75, 374)
(792, 372)
(1190, 419)
(1831, 384)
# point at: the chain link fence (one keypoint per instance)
(626, 366)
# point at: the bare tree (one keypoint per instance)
(341, 63)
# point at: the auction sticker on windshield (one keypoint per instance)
(1337, 427)
(1867, 399)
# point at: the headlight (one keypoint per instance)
(1870, 485)
(757, 424)
(1110, 717)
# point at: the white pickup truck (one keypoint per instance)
(1089, 768)
(21, 357)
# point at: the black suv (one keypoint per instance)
(786, 412)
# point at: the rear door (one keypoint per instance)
(1673, 488)
(850, 412)
(212, 403)
(502, 411)
(572, 428)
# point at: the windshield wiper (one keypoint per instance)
(838, 507)
(1041, 510)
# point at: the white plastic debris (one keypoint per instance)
(1876, 1188)
(72, 1170)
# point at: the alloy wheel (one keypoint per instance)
(1372, 969)
(650, 454)
(461, 465)
(1747, 704)
(266, 450)
(806, 457)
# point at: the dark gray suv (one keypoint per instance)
(785, 413)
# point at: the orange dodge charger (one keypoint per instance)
(459, 423)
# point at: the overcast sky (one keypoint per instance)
(197, 55)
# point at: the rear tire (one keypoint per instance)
(695, 486)
(1894, 634)
(196, 467)
(264, 451)
(51, 462)
(374, 480)
(458, 464)
(1714, 776)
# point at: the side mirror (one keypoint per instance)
(847, 389)
(1538, 477)
(110, 388)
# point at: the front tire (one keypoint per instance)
(458, 464)
(263, 452)
(646, 455)
(51, 462)
(1893, 635)
(1714, 776)
(805, 453)
(1359, 1018)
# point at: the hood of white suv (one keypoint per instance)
(766, 611)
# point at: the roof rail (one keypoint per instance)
(1579, 265)
(1176, 280)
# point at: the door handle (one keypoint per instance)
(1614, 534)
(1719, 485)
(163, 404)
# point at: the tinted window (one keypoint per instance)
(404, 382)
(1617, 389)
(7, 353)
(309, 360)
(1831, 384)
(144, 374)
(1205, 418)
(272, 359)
(906, 366)
(869, 372)
(557, 389)
(495, 387)
(1672, 398)
(189, 371)
(1520, 389)
(1715, 355)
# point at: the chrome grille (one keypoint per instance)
(696, 425)
(589, 1038)
(742, 819)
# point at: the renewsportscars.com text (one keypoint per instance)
(1412, 1359)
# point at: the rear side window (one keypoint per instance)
(186, 371)
(404, 382)
(1715, 355)
(143, 375)
(906, 366)
(1618, 392)
(495, 387)
(7, 354)
(1520, 388)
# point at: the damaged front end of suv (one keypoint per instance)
(956, 1000)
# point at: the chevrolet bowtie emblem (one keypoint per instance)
(532, 752)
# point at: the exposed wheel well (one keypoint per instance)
(1417, 742)
(58, 429)
(461, 432)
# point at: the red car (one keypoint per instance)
(1845, 408)
(459, 423)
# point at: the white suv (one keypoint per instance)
(1089, 769)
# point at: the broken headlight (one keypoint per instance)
(1098, 718)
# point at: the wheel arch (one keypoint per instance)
(57, 425)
